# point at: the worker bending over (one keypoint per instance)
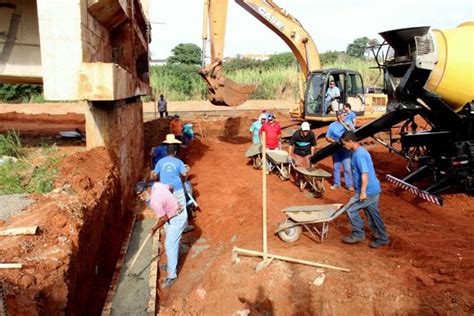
(366, 197)
(171, 213)
(302, 146)
(171, 171)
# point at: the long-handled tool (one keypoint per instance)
(142, 246)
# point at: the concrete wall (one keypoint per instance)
(118, 126)
(20, 58)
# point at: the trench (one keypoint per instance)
(69, 267)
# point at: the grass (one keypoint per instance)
(24, 177)
(10, 144)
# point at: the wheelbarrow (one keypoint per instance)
(255, 153)
(312, 177)
(279, 163)
(315, 218)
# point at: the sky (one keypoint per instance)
(332, 24)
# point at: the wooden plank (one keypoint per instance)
(11, 265)
(306, 262)
(30, 230)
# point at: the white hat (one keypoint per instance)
(171, 139)
(305, 126)
(262, 116)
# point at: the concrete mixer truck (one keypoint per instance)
(429, 79)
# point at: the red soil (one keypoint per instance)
(34, 125)
(427, 268)
(68, 266)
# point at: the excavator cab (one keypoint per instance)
(320, 106)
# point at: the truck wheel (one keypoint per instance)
(290, 234)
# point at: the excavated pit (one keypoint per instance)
(424, 270)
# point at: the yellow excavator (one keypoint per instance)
(313, 103)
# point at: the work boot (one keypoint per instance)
(378, 243)
(351, 239)
(167, 283)
(188, 229)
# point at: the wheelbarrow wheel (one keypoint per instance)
(257, 162)
(284, 174)
(291, 233)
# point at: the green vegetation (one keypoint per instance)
(276, 78)
(188, 54)
(10, 145)
(178, 82)
(21, 93)
(23, 176)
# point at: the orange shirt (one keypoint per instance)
(176, 127)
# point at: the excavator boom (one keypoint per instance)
(223, 91)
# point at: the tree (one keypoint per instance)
(357, 47)
(188, 53)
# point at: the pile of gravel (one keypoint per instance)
(12, 204)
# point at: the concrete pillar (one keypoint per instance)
(118, 126)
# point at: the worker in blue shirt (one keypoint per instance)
(157, 153)
(342, 157)
(170, 170)
(254, 129)
(350, 119)
(366, 197)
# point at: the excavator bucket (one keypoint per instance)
(224, 91)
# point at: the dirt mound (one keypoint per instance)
(68, 266)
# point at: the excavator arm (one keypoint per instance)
(223, 91)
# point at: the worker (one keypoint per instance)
(171, 213)
(254, 129)
(176, 127)
(350, 119)
(342, 157)
(332, 94)
(188, 133)
(366, 197)
(162, 106)
(161, 151)
(302, 146)
(170, 169)
(272, 131)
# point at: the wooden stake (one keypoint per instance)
(309, 263)
(31, 230)
(263, 140)
(200, 129)
(11, 265)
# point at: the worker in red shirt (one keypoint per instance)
(272, 131)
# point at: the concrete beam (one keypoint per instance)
(20, 59)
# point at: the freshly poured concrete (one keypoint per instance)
(132, 293)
